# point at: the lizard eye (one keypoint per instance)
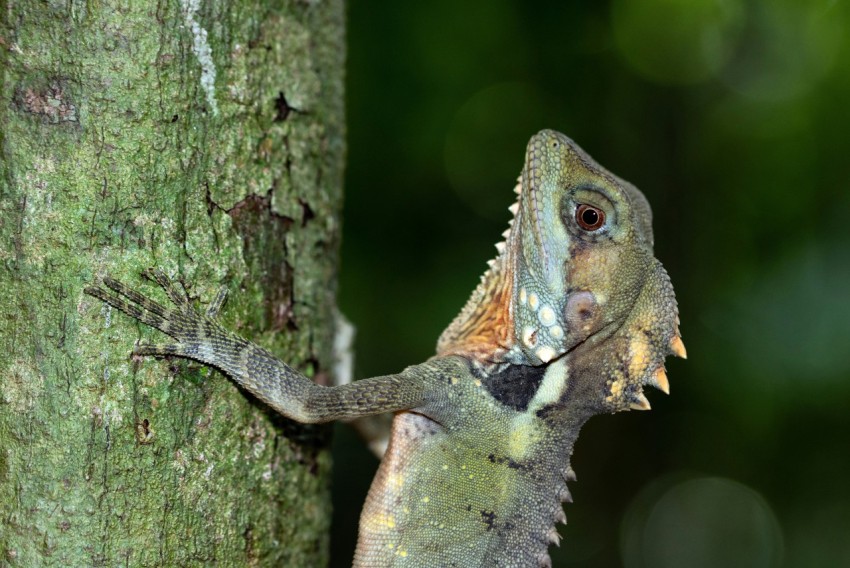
(589, 217)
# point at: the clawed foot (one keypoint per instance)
(181, 321)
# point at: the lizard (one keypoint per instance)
(572, 319)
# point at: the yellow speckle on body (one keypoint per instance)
(477, 383)
(390, 545)
(426, 499)
(402, 553)
(378, 521)
(521, 436)
(396, 481)
(445, 466)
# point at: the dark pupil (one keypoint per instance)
(590, 217)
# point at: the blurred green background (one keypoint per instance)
(733, 117)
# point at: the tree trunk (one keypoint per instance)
(205, 138)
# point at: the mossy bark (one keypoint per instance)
(204, 137)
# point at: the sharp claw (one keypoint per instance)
(95, 291)
(659, 380)
(217, 303)
(678, 348)
(111, 283)
(639, 402)
(158, 276)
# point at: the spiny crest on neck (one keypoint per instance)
(484, 329)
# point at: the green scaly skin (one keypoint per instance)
(571, 320)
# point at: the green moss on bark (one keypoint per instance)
(205, 138)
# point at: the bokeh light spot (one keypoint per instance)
(788, 46)
(677, 41)
(701, 523)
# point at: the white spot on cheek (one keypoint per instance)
(523, 297)
(202, 51)
(556, 332)
(545, 354)
(529, 336)
(533, 301)
(547, 316)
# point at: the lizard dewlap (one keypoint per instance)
(572, 318)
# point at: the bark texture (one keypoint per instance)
(204, 137)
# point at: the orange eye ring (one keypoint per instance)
(589, 217)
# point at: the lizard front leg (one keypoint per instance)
(201, 338)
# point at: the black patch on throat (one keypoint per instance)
(515, 385)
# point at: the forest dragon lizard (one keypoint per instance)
(572, 318)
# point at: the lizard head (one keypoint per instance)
(576, 276)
